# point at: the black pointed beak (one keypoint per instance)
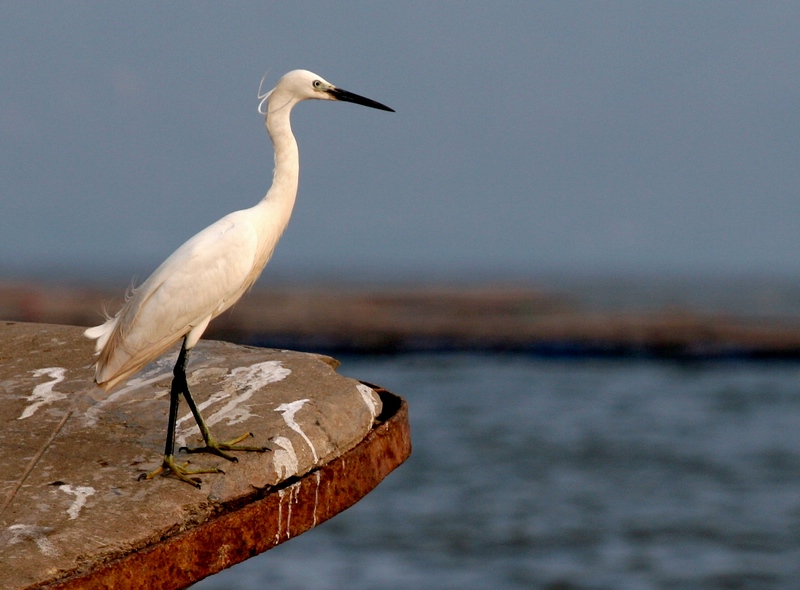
(346, 96)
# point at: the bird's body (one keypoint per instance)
(199, 281)
(213, 269)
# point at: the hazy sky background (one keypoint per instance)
(528, 138)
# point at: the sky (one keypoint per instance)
(575, 137)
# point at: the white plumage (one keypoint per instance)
(213, 269)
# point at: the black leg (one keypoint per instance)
(179, 385)
(212, 445)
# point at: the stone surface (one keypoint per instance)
(81, 505)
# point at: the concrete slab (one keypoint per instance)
(76, 515)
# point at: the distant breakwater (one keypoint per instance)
(385, 320)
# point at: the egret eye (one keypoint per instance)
(317, 84)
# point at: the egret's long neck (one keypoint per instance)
(275, 209)
(287, 159)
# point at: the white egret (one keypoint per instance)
(209, 273)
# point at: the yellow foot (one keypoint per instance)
(217, 448)
(180, 471)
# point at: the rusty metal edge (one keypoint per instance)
(246, 531)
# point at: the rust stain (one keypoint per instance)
(245, 531)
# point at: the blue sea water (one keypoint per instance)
(567, 474)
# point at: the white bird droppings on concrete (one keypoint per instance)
(159, 372)
(37, 534)
(294, 495)
(370, 398)
(284, 459)
(316, 496)
(288, 411)
(243, 382)
(254, 377)
(43, 393)
(80, 493)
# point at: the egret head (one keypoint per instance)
(300, 85)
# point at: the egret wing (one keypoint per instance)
(201, 279)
